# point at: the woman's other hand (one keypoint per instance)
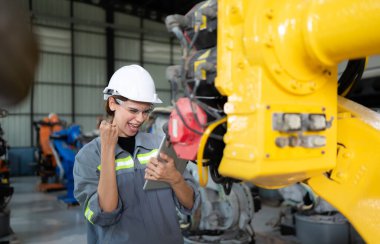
(163, 170)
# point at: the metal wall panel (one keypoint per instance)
(64, 118)
(129, 25)
(16, 130)
(53, 91)
(90, 68)
(158, 72)
(150, 25)
(88, 123)
(156, 31)
(165, 97)
(119, 64)
(47, 11)
(52, 99)
(88, 17)
(89, 100)
(54, 68)
(21, 107)
(157, 36)
(90, 71)
(50, 21)
(156, 52)
(126, 48)
(53, 40)
(90, 44)
(52, 7)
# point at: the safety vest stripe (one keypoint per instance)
(144, 157)
(124, 164)
(88, 214)
(123, 159)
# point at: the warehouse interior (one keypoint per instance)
(81, 43)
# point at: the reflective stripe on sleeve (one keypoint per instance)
(144, 157)
(122, 163)
(88, 213)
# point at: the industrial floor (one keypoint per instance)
(40, 218)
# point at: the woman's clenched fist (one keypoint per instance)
(108, 133)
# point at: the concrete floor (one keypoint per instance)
(267, 231)
(39, 218)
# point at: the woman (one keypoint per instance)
(110, 171)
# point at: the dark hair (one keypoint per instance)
(107, 106)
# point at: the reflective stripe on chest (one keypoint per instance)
(126, 163)
(144, 157)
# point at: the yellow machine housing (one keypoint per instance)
(268, 73)
(277, 63)
(279, 58)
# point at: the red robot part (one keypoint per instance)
(185, 130)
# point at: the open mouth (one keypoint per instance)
(134, 127)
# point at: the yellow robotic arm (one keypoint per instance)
(277, 62)
(352, 185)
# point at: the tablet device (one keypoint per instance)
(180, 164)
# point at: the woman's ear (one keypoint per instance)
(112, 103)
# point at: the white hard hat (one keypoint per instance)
(132, 82)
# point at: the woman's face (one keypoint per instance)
(129, 115)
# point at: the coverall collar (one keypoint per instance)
(142, 140)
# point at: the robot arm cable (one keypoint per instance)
(202, 143)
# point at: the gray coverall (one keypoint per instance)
(141, 216)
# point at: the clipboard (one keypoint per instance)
(179, 163)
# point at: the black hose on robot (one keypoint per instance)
(351, 76)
